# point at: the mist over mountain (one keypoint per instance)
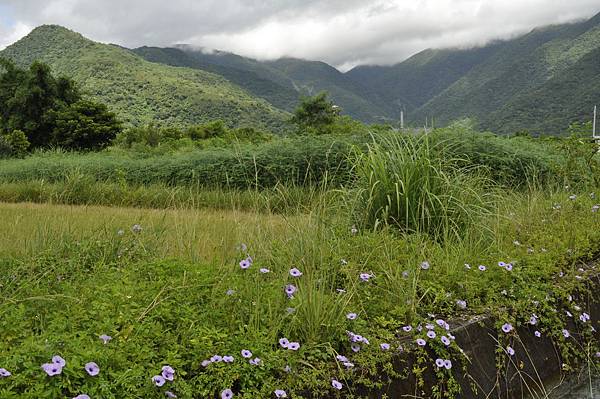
(540, 82)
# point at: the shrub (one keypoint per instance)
(402, 181)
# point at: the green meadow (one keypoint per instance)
(402, 230)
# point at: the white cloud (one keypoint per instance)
(341, 32)
(10, 34)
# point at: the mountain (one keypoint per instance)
(541, 81)
(282, 82)
(412, 83)
(516, 71)
(279, 94)
(567, 97)
(140, 91)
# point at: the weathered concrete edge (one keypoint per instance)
(536, 365)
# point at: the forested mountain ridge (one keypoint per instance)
(533, 82)
(282, 82)
(517, 70)
(140, 91)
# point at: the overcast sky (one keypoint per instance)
(343, 33)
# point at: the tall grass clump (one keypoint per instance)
(412, 184)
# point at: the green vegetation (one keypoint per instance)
(177, 287)
(39, 110)
(335, 252)
(260, 83)
(510, 90)
(141, 92)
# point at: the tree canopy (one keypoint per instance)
(50, 111)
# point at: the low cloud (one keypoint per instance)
(343, 33)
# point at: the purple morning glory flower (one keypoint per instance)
(341, 358)
(509, 267)
(230, 292)
(584, 317)
(482, 268)
(92, 369)
(429, 326)
(284, 342)
(510, 350)
(290, 289)
(421, 342)
(507, 327)
(4, 373)
(290, 310)
(431, 334)
(205, 363)
(501, 264)
(293, 346)
(105, 338)
(168, 373)
(445, 340)
(228, 359)
(295, 272)
(407, 328)
(280, 393)
(447, 364)
(336, 384)
(264, 270)
(440, 323)
(439, 363)
(245, 264)
(246, 354)
(170, 394)
(365, 277)
(59, 360)
(287, 368)
(538, 334)
(405, 274)
(159, 380)
(355, 347)
(351, 316)
(533, 320)
(461, 304)
(566, 333)
(227, 394)
(52, 369)
(82, 396)
(255, 362)
(348, 365)
(425, 265)
(384, 346)
(216, 359)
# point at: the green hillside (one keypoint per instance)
(549, 109)
(410, 84)
(280, 95)
(140, 91)
(515, 70)
(300, 76)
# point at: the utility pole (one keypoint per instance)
(401, 120)
(594, 124)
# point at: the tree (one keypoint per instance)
(84, 125)
(50, 111)
(315, 115)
